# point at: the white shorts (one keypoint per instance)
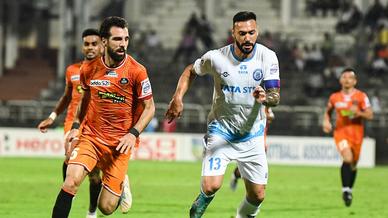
(250, 156)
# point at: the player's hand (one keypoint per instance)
(45, 124)
(259, 94)
(174, 110)
(355, 111)
(327, 127)
(126, 143)
(72, 136)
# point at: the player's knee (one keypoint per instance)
(210, 188)
(107, 208)
(256, 197)
(72, 184)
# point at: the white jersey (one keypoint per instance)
(235, 114)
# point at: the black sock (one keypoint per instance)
(346, 174)
(354, 174)
(237, 173)
(94, 190)
(62, 205)
(64, 168)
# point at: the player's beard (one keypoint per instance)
(242, 49)
(116, 57)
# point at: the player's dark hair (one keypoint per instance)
(347, 69)
(110, 22)
(90, 32)
(244, 16)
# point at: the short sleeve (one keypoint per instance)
(203, 65)
(271, 70)
(83, 77)
(365, 103)
(143, 85)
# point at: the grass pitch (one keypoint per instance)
(29, 186)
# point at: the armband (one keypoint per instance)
(53, 116)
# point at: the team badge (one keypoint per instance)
(258, 74)
(225, 74)
(123, 81)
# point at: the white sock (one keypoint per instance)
(346, 189)
(247, 209)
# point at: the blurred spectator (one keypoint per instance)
(373, 14)
(186, 47)
(314, 85)
(298, 55)
(267, 40)
(152, 40)
(205, 32)
(314, 58)
(375, 101)
(229, 38)
(327, 47)
(313, 7)
(349, 19)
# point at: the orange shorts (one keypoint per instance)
(90, 153)
(343, 143)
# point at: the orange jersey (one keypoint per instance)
(347, 126)
(115, 97)
(73, 82)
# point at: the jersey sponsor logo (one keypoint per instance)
(243, 69)
(146, 87)
(108, 95)
(97, 82)
(258, 74)
(124, 81)
(237, 89)
(273, 69)
(225, 74)
(341, 104)
(74, 78)
(111, 74)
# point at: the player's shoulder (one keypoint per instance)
(265, 51)
(360, 93)
(336, 96)
(134, 64)
(74, 67)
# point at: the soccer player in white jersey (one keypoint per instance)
(236, 121)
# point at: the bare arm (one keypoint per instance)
(128, 141)
(175, 107)
(326, 125)
(61, 105)
(366, 114)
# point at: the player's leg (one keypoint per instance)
(74, 176)
(254, 170)
(214, 164)
(234, 179)
(94, 191)
(115, 181)
(346, 170)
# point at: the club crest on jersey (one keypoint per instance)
(124, 81)
(102, 83)
(111, 74)
(74, 78)
(258, 74)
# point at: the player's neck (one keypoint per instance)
(110, 62)
(239, 54)
(347, 91)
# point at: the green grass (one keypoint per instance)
(29, 186)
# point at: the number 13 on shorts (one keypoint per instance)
(213, 166)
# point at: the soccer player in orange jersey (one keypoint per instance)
(116, 106)
(352, 107)
(91, 48)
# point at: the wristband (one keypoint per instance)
(75, 125)
(53, 116)
(134, 132)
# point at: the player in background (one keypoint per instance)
(91, 49)
(116, 106)
(236, 175)
(236, 121)
(352, 108)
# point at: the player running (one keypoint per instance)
(118, 98)
(91, 49)
(236, 121)
(352, 108)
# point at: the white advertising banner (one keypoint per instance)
(187, 147)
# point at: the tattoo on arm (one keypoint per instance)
(273, 97)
